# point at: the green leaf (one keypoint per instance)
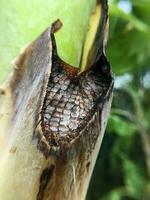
(22, 21)
(120, 126)
(134, 178)
(113, 195)
(135, 22)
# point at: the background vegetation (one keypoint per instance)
(122, 171)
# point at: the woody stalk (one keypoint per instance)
(54, 108)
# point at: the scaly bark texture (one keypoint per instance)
(52, 123)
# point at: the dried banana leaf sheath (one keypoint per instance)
(71, 103)
(53, 121)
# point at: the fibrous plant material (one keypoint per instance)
(53, 122)
(71, 101)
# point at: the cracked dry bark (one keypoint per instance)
(53, 123)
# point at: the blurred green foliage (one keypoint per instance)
(122, 171)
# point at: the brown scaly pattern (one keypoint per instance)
(71, 100)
